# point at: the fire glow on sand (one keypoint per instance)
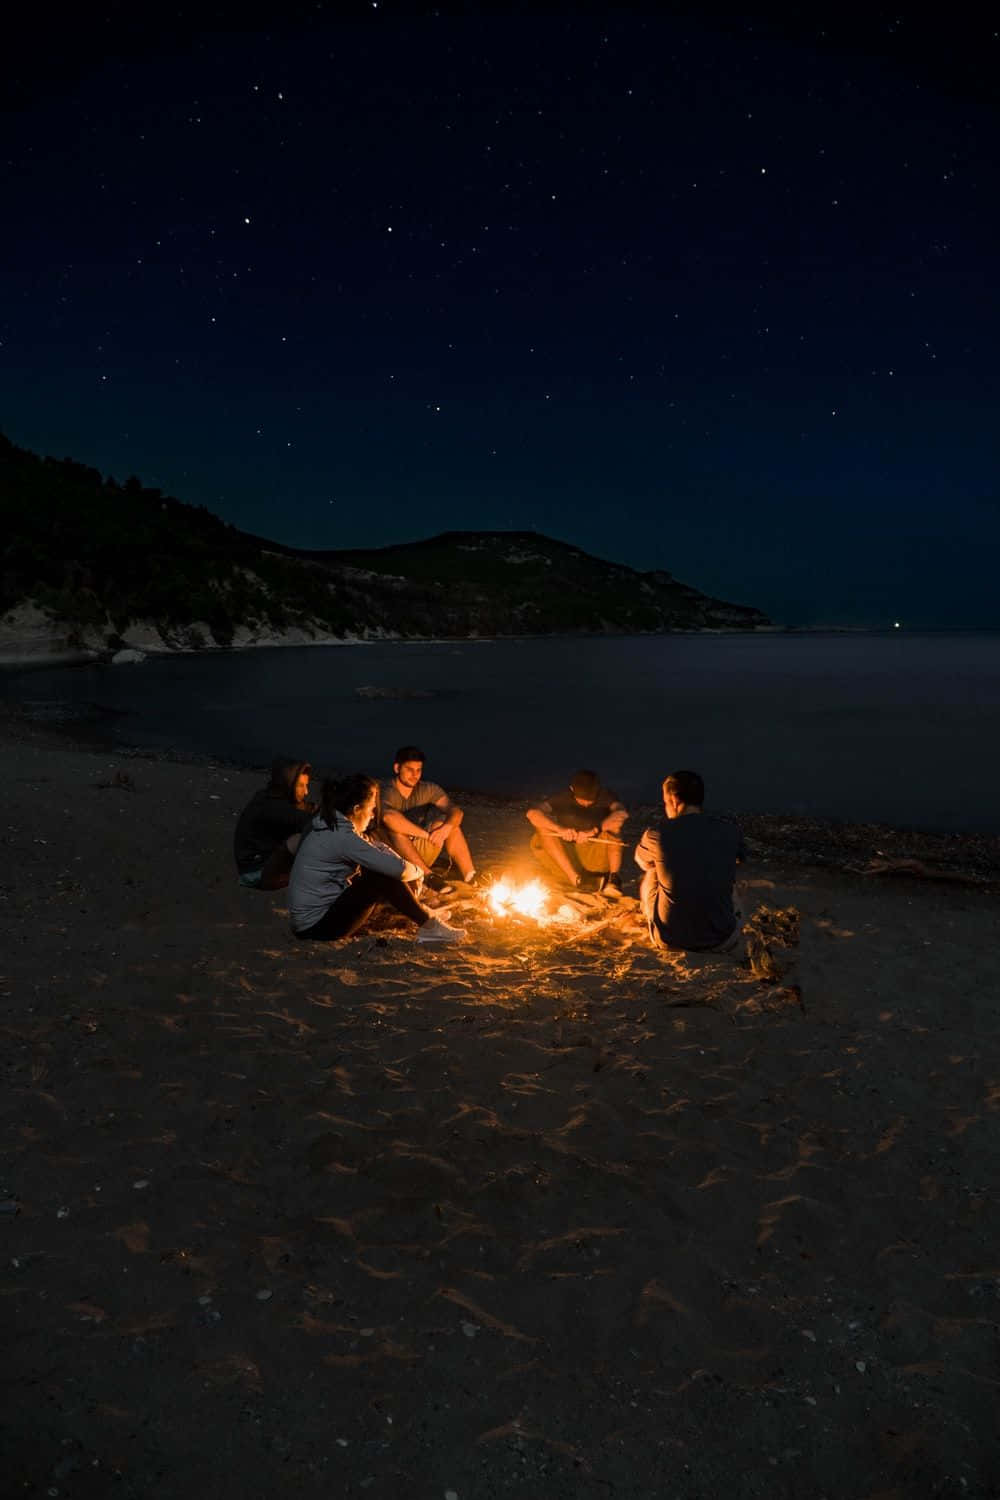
(508, 899)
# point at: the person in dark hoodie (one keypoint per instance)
(271, 825)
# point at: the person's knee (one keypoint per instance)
(554, 852)
(426, 850)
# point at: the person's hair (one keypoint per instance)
(585, 784)
(343, 794)
(686, 786)
(408, 752)
(284, 775)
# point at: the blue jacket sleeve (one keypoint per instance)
(372, 856)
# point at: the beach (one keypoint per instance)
(548, 1214)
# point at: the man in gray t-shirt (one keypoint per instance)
(689, 865)
(419, 819)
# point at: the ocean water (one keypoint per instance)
(900, 729)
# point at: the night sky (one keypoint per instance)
(717, 297)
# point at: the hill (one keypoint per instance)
(88, 564)
(522, 583)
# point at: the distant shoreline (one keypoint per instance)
(28, 659)
(827, 843)
(133, 654)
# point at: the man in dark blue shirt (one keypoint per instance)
(689, 865)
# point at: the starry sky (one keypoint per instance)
(717, 296)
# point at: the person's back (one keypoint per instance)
(694, 860)
(328, 856)
(689, 867)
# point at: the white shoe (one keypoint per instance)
(438, 931)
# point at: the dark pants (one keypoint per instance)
(276, 869)
(366, 891)
(273, 874)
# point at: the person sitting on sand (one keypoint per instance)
(420, 820)
(340, 874)
(269, 827)
(689, 862)
(577, 834)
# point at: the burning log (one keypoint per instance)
(506, 898)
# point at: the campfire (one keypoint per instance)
(507, 898)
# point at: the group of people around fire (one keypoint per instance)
(361, 846)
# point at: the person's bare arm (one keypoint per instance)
(398, 822)
(451, 816)
(541, 820)
(647, 851)
(616, 818)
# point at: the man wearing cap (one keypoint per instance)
(577, 834)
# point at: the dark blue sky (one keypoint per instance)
(718, 298)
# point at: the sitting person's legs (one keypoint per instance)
(596, 858)
(556, 857)
(275, 870)
(568, 862)
(418, 851)
(458, 849)
(366, 891)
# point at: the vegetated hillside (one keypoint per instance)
(521, 583)
(99, 558)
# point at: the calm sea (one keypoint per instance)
(901, 729)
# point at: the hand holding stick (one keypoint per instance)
(593, 838)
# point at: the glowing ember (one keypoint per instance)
(508, 899)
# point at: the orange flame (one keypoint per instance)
(507, 899)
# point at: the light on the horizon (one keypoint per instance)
(896, 625)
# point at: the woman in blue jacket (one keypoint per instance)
(340, 874)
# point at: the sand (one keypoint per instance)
(547, 1215)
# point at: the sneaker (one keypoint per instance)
(438, 931)
(472, 881)
(611, 887)
(438, 883)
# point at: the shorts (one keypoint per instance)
(589, 857)
(423, 817)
